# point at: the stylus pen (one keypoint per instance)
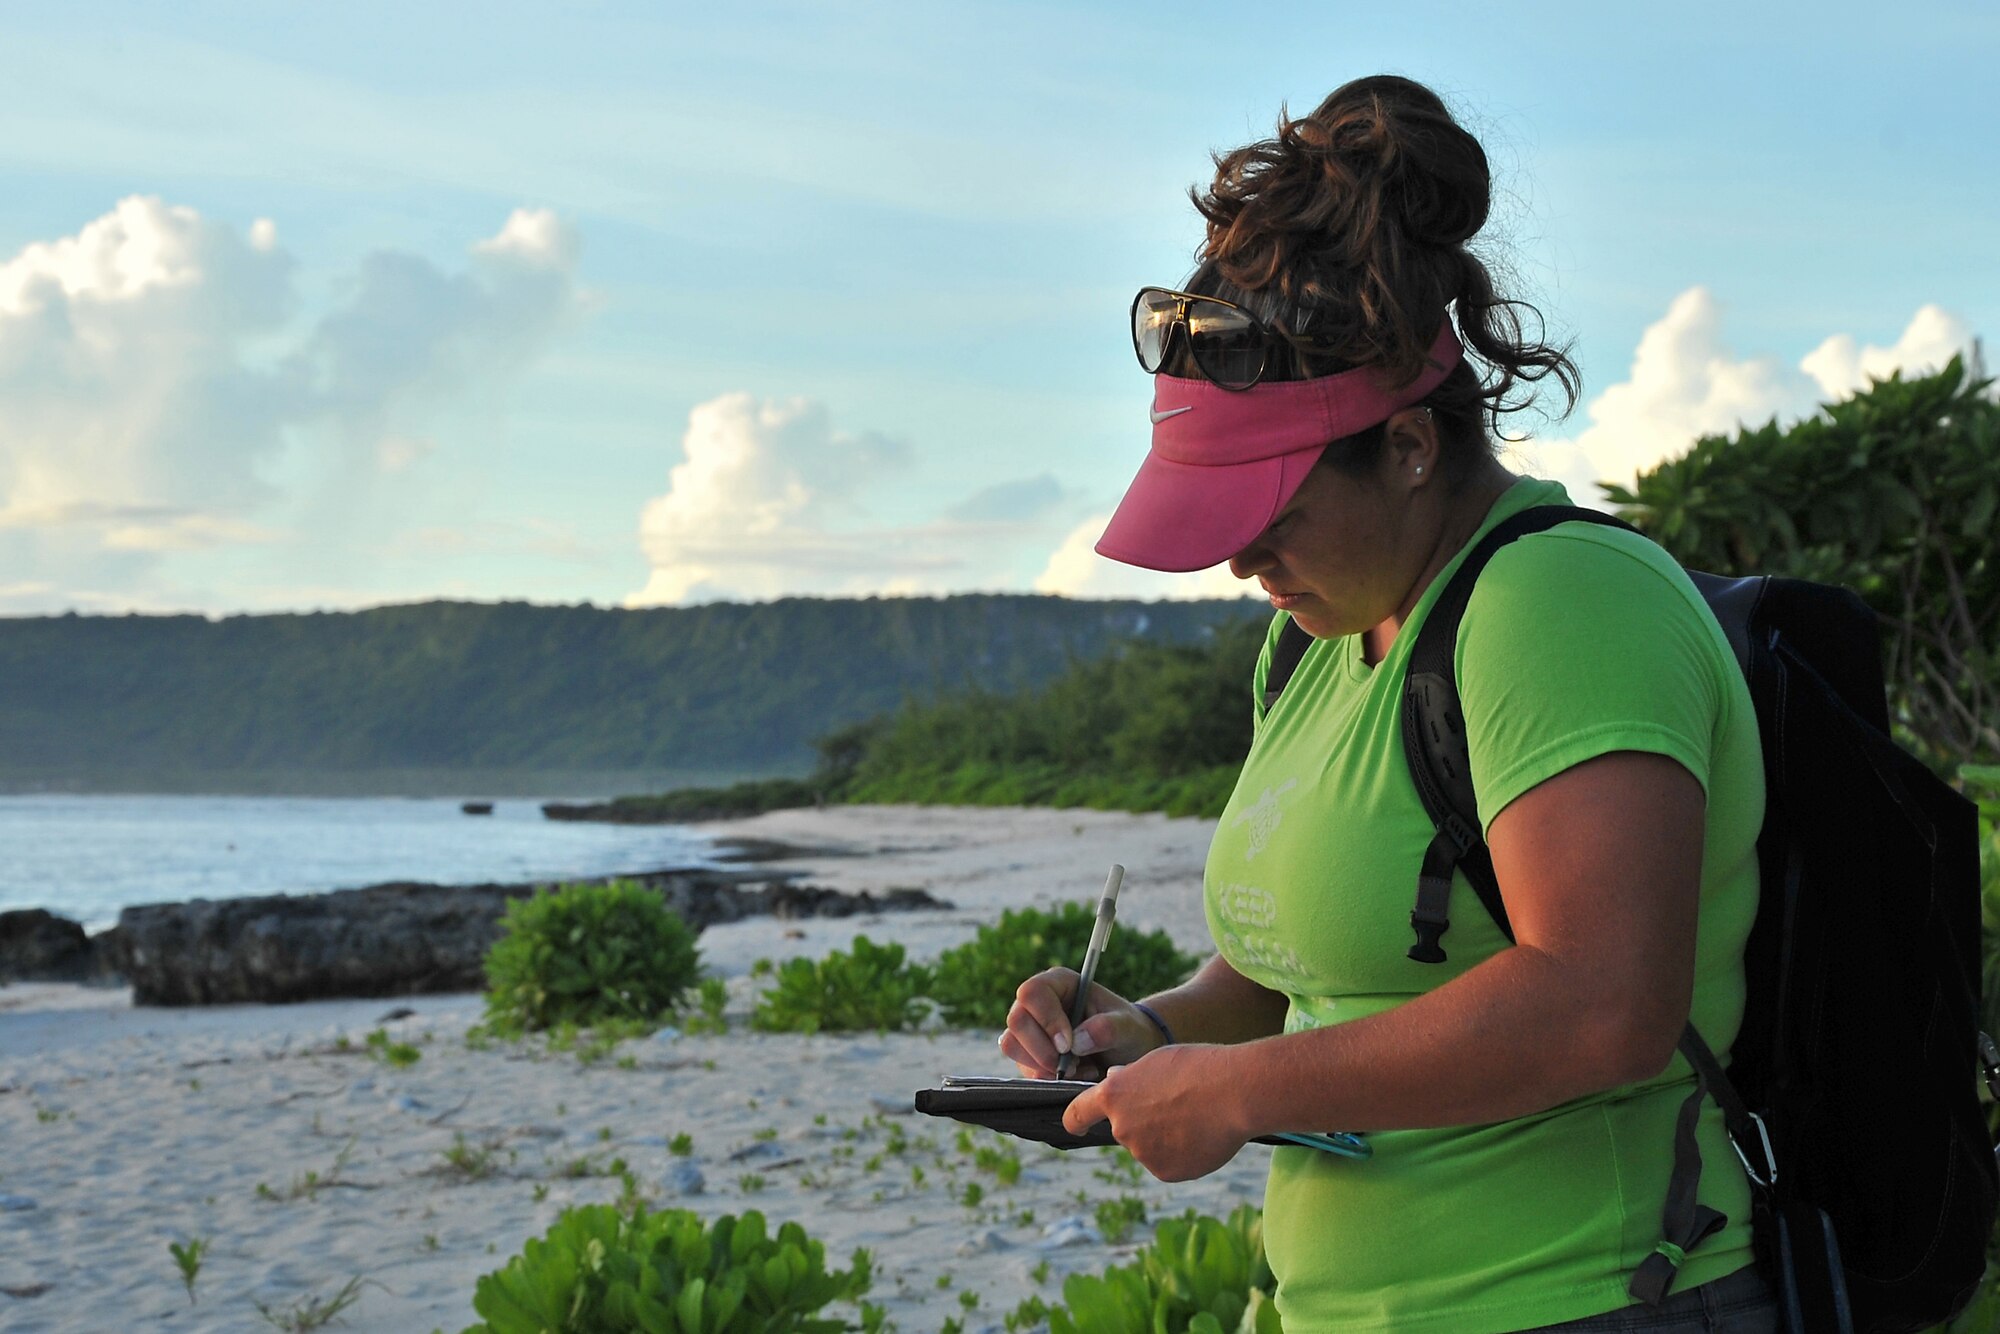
(1100, 932)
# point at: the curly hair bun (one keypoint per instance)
(1399, 142)
(1352, 223)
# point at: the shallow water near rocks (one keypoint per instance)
(86, 857)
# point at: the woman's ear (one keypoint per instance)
(1413, 445)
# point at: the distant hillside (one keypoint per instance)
(450, 686)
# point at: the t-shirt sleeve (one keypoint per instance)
(1575, 645)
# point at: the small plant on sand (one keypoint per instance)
(1032, 1313)
(577, 1168)
(1002, 1160)
(587, 954)
(870, 988)
(311, 1312)
(468, 1162)
(401, 1055)
(975, 982)
(309, 1183)
(710, 1000)
(1198, 1273)
(188, 1258)
(603, 1268)
(1116, 1218)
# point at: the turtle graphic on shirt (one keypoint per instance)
(1263, 818)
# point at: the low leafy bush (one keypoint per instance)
(975, 982)
(587, 954)
(602, 1269)
(871, 988)
(1200, 1275)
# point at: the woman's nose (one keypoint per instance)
(1250, 560)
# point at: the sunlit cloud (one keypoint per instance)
(154, 375)
(1076, 570)
(751, 509)
(1685, 382)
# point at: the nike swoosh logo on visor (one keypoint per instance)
(1159, 416)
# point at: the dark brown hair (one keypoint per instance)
(1350, 227)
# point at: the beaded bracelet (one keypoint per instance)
(1158, 1022)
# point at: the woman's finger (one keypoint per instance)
(1040, 1013)
(1017, 1051)
(1085, 1110)
(1045, 998)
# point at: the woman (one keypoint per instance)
(1329, 438)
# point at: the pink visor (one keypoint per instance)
(1224, 462)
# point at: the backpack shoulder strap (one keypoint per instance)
(1434, 743)
(1286, 655)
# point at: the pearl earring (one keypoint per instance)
(1420, 470)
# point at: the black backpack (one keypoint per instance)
(1849, 1094)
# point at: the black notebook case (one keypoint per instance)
(1028, 1108)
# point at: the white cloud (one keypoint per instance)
(1076, 570)
(140, 244)
(153, 375)
(409, 335)
(535, 237)
(771, 499)
(754, 509)
(122, 380)
(1686, 382)
(1840, 365)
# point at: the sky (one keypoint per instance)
(331, 306)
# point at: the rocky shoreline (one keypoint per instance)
(402, 938)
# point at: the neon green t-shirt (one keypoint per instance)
(1578, 641)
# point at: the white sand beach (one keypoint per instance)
(305, 1166)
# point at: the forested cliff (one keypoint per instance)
(452, 685)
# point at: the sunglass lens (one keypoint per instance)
(1227, 343)
(1152, 321)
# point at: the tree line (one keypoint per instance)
(470, 686)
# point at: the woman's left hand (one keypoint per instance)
(1172, 1109)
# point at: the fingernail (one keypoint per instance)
(1085, 1043)
(1062, 1044)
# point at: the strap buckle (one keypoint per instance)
(1770, 1176)
(1989, 1056)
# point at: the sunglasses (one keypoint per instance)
(1229, 346)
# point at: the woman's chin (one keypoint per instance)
(1302, 612)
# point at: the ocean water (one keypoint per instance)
(86, 857)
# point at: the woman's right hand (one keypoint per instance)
(1114, 1031)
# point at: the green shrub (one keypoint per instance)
(1146, 727)
(600, 1270)
(1200, 1275)
(586, 954)
(975, 982)
(871, 988)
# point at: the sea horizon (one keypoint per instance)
(86, 856)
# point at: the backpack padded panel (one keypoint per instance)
(1862, 1019)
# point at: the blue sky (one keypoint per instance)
(333, 306)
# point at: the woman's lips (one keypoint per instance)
(1284, 601)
